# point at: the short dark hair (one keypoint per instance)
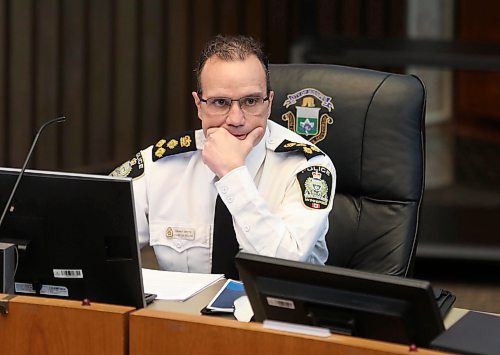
(229, 48)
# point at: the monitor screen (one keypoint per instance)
(76, 236)
(345, 301)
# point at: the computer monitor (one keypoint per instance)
(345, 301)
(76, 236)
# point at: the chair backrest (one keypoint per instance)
(371, 124)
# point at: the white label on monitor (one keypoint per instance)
(279, 302)
(22, 287)
(51, 290)
(68, 274)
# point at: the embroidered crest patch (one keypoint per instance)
(133, 168)
(313, 117)
(316, 185)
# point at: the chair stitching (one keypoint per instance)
(363, 140)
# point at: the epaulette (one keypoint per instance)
(308, 150)
(174, 144)
(133, 168)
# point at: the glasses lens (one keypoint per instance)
(218, 105)
(249, 105)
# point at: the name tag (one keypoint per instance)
(180, 233)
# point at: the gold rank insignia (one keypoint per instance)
(308, 150)
(159, 152)
(185, 141)
(175, 144)
(160, 143)
(313, 114)
(172, 144)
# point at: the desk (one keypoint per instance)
(177, 328)
(37, 325)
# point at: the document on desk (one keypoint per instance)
(176, 286)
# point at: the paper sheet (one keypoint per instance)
(176, 286)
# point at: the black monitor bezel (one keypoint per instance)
(351, 296)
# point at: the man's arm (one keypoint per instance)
(292, 229)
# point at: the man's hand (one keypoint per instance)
(224, 152)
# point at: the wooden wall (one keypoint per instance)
(477, 92)
(121, 70)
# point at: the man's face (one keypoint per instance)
(234, 80)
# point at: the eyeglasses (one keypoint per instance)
(250, 105)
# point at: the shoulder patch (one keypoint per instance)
(316, 185)
(175, 144)
(133, 168)
(308, 150)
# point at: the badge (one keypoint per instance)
(312, 119)
(316, 185)
(133, 168)
(180, 233)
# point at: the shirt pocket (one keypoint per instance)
(180, 237)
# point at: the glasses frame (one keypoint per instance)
(264, 99)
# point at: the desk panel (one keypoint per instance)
(154, 332)
(37, 325)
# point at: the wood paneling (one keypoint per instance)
(21, 83)
(477, 93)
(36, 325)
(194, 334)
(122, 70)
(3, 80)
(46, 78)
(73, 83)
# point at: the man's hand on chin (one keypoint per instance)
(224, 152)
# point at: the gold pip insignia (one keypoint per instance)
(316, 185)
(172, 144)
(159, 152)
(308, 122)
(308, 150)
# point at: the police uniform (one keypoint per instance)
(280, 199)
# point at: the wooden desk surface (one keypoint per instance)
(167, 327)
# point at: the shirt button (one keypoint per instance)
(230, 199)
(178, 244)
(223, 189)
(246, 228)
(270, 141)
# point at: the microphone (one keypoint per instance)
(28, 157)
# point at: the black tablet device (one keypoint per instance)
(345, 301)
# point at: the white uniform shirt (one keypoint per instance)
(175, 202)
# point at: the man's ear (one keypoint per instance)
(271, 97)
(197, 102)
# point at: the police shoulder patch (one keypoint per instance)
(174, 144)
(309, 150)
(316, 185)
(133, 168)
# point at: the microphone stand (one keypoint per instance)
(9, 201)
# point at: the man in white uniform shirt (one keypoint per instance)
(277, 187)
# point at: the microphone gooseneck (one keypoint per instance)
(21, 173)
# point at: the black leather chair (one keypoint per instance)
(374, 133)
